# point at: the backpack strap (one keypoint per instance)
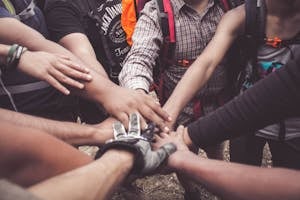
(27, 12)
(255, 25)
(24, 14)
(167, 24)
(9, 6)
(229, 4)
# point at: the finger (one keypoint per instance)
(155, 106)
(52, 81)
(157, 138)
(164, 135)
(68, 68)
(143, 122)
(180, 130)
(76, 66)
(152, 116)
(65, 79)
(124, 119)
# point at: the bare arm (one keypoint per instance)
(230, 180)
(94, 181)
(55, 69)
(236, 181)
(70, 132)
(120, 103)
(84, 50)
(203, 67)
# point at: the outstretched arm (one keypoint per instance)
(70, 132)
(55, 69)
(200, 71)
(230, 180)
(270, 100)
(94, 181)
(117, 101)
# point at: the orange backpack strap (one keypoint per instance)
(128, 18)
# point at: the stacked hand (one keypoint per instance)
(57, 70)
(146, 160)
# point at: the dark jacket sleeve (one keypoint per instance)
(270, 100)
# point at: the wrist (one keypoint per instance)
(172, 110)
(13, 57)
(177, 159)
(120, 157)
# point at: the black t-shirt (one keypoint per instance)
(270, 100)
(99, 20)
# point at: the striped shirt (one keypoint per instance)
(193, 32)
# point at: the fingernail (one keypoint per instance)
(67, 92)
(166, 129)
(81, 86)
(89, 77)
(169, 118)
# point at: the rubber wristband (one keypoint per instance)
(13, 57)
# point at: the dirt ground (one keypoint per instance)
(166, 187)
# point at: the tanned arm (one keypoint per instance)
(229, 180)
(203, 67)
(70, 132)
(84, 51)
(120, 103)
(236, 181)
(94, 181)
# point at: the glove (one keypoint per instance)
(146, 160)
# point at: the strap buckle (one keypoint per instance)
(275, 42)
(185, 63)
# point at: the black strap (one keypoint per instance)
(229, 4)
(163, 18)
(251, 18)
(282, 131)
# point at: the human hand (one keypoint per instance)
(174, 137)
(57, 70)
(146, 160)
(173, 112)
(120, 102)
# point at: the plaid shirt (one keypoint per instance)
(193, 32)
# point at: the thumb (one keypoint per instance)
(157, 157)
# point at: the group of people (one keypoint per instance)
(69, 59)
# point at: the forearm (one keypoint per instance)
(80, 46)
(192, 81)
(235, 181)
(272, 99)
(203, 67)
(34, 41)
(70, 132)
(94, 181)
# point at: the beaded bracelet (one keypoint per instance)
(13, 57)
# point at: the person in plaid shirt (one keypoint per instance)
(195, 24)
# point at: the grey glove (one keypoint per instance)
(146, 160)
